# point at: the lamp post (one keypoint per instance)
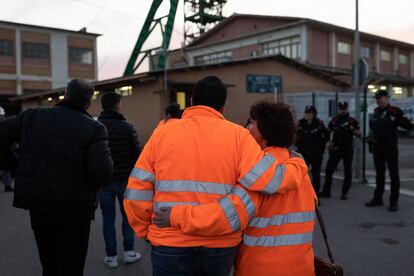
(356, 87)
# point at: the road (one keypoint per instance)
(365, 241)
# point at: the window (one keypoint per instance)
(80, 55)
(124, 91)
(33, 91)
(6, 47)
(385, 56)
(289, 47)
(365, 52)
(217, 57)
(35, 50)
(402, 59)
(344, 48)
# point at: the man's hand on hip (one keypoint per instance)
(162, 217)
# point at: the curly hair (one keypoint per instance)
(275, 122)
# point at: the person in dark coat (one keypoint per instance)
(343, 128)
(64, 158)
(124, 145)
(384, 146)
(7, 161)
(311, 140)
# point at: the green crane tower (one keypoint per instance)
(199, 17)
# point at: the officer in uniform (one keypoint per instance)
(383, 143)
(343, 128)
(311, 140)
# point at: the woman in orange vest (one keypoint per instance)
(172, 113)
(278, 239)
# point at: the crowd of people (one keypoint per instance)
(207, 194)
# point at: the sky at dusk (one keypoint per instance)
(120, 21)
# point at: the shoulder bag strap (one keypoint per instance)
(325, 236)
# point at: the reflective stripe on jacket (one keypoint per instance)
(198, 160)
(278, 228)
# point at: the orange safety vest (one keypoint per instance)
(277, 240)
(198, 160)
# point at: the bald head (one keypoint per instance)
(79, 92)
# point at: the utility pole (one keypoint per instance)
(356, 84)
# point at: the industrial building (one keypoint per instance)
(257, 57)
(35, 59)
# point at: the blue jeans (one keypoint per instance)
(107, 198)
(192, 261)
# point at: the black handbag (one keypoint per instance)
(323, 266)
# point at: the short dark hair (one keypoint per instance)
(173, 110)
(79, 92)
(210, 91)
(275, 122)
(110, 100)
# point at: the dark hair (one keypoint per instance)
(79, 92)
(210, 91)
(275, 122)
(173, 110)
(110, 100)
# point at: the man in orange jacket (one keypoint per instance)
(197, 160)
(278, 239)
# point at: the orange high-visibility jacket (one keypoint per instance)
(277, 240)
(164, 122)
(198, 160)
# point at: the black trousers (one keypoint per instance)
(62, 243)
(314, 161)
(387, 155)
(346, 154)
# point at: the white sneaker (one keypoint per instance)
(131, 257)
(111, 262)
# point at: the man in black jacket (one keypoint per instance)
(311, 140)
(64, 159)
(124, 145)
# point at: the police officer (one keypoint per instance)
(384, 145)
(311, 140)
(343, 128)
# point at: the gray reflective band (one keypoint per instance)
(192, 186)
(159, 204)
(231, 213)
(298, 217)
(142, 175)
(282, 240)
(247, 201)
(277, 179)
(141, 195)
(258, 170)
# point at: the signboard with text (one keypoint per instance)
(263, 84)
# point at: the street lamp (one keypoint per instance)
(356, 87)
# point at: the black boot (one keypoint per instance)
(393, 207)
(324, 194)
(374, 202)
(344, 197)
(8, 189)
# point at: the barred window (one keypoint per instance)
(344, 48)
(289, 47)
(80, 55)
(35, 50)
(6, 47)
(212, 58)
(402, 59)
(385, 55)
